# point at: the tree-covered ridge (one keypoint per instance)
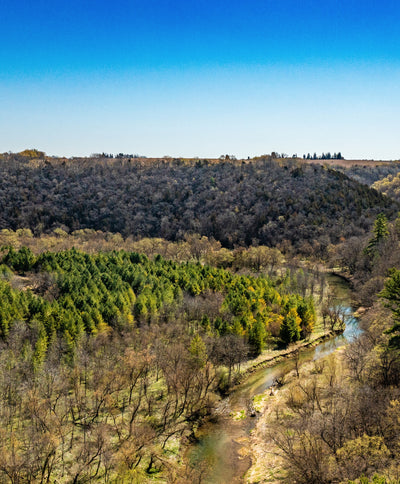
(389, 186)
(369, 174)
(78, 293)
(272, 201)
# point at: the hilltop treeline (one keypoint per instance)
(324, 156)
(268, 201)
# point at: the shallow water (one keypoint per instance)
(218, 444)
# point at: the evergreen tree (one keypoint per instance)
(257, 336)
(198, 351)
(306, 312)
(290, 329)
(391, 293)
(40, 349)
(380, 231)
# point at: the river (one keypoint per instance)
(219, 442)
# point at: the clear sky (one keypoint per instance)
(200, 77)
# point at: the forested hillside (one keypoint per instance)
(339, 420)
(368, 174)
(389, 186)
(132, 291)
(269, 201)
(110, 361)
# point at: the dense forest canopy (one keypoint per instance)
(267, 201)
(389, 186)
(78, 293)
(371, 175)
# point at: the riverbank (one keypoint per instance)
(233, 444)
(267, 462)
(272, 357)
(280, 409)
(278, 405)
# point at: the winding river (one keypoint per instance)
(219, 442)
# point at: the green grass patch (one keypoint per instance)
(238, 415)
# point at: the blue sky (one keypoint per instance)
(200, 78)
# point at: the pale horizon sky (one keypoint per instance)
(200, 78)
